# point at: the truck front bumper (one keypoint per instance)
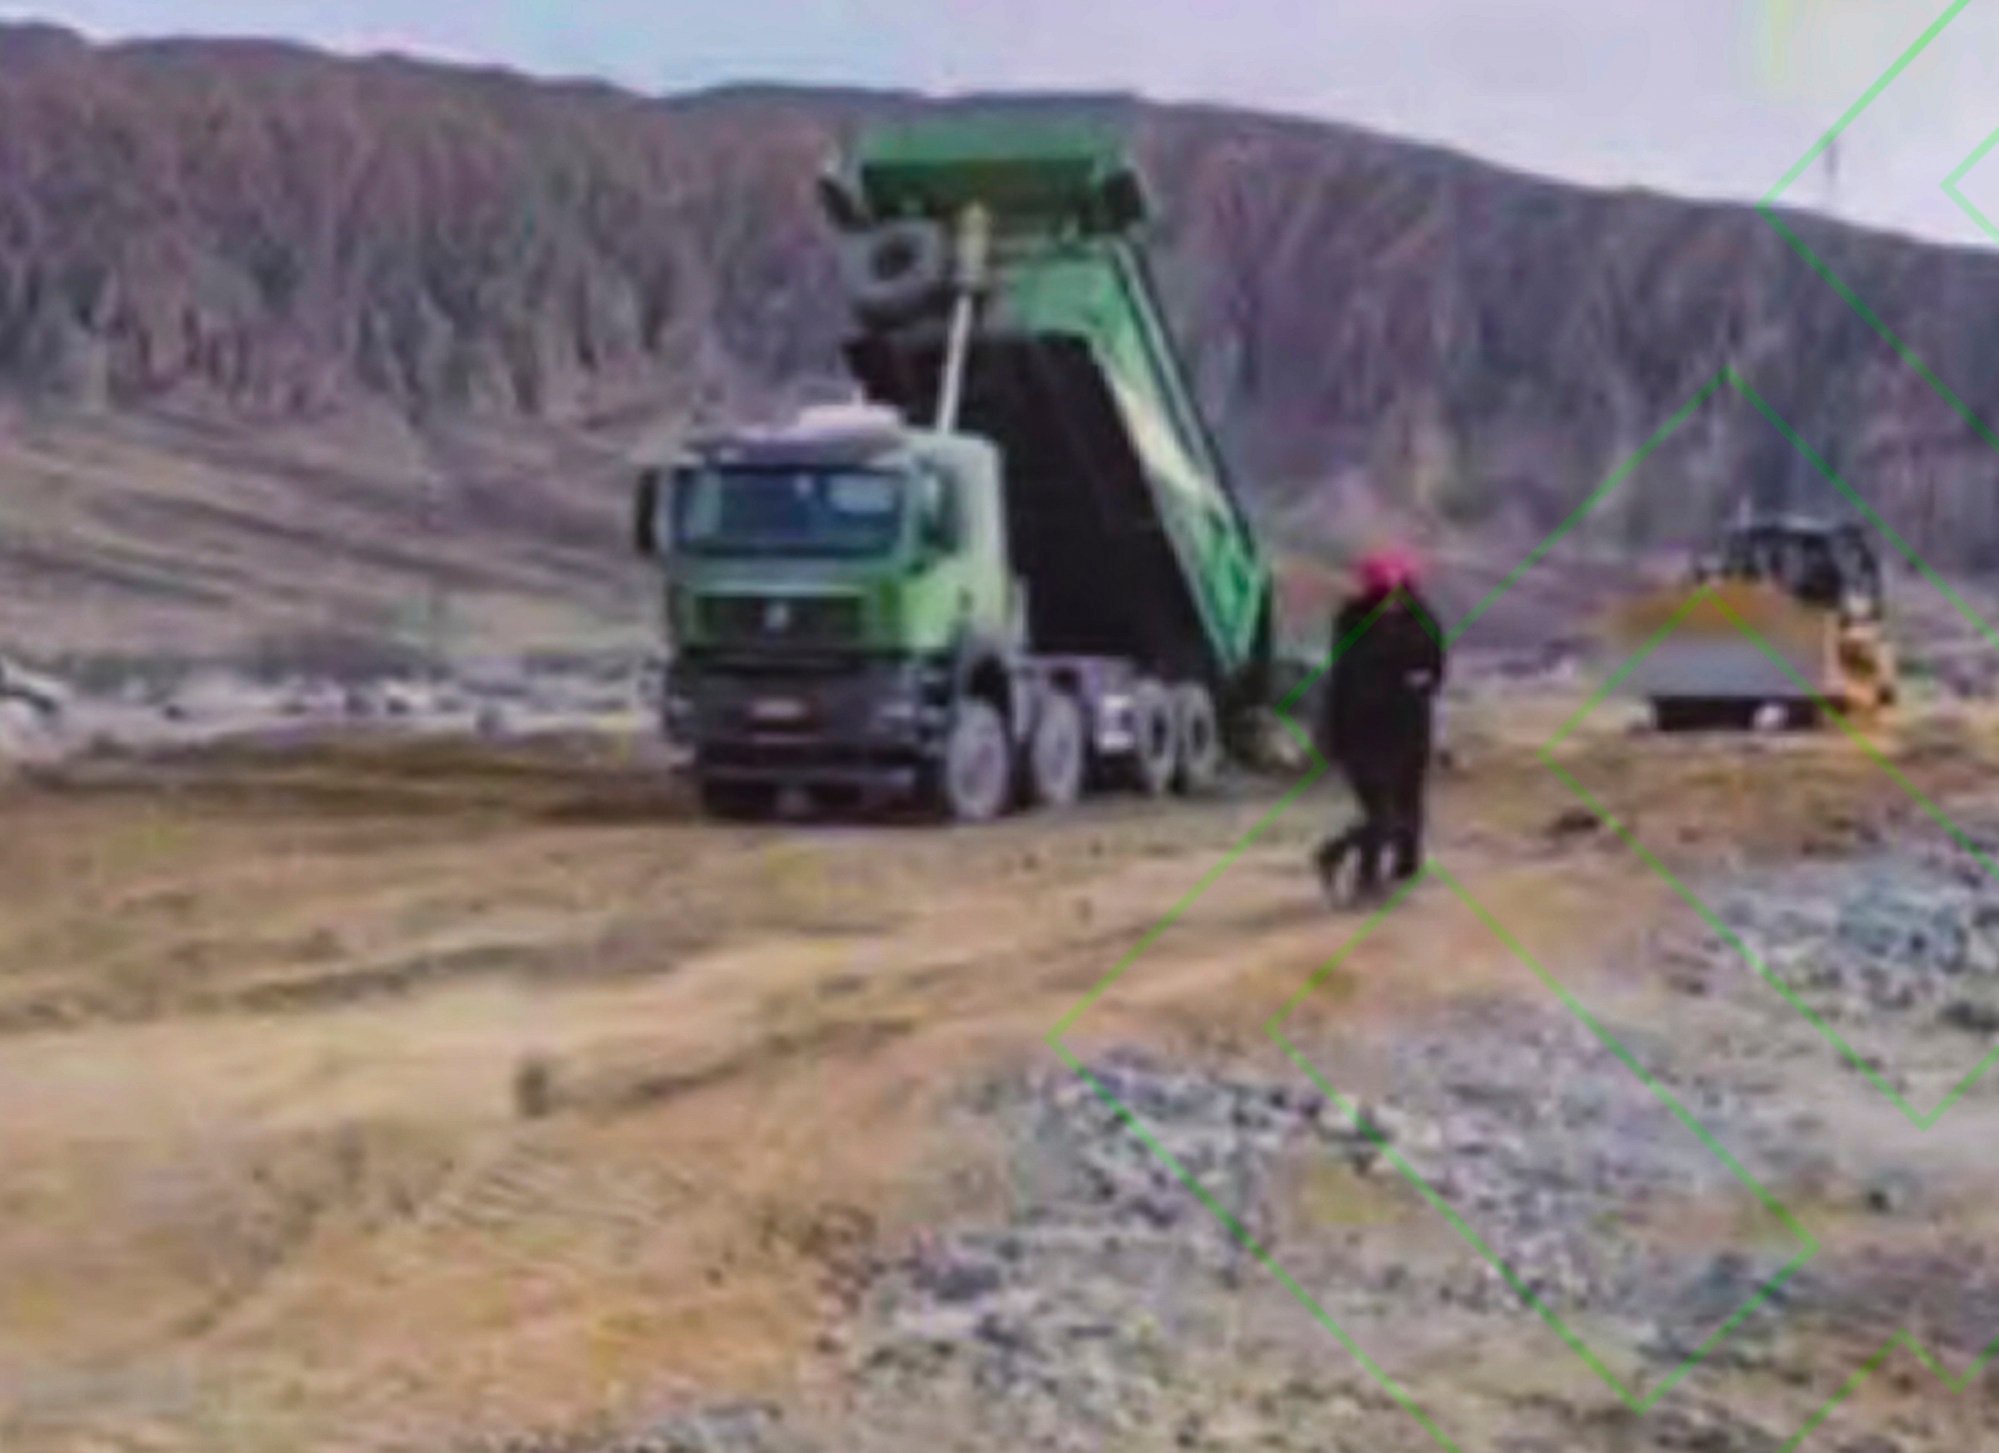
(871, 724)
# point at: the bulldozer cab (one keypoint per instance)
(1823, 565)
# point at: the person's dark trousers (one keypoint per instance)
(1390, 794)
(1369, 836)
(1404, 830)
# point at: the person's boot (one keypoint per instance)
(1409, 855)
(1408, 865)
(1328, 859)
(1367, 888)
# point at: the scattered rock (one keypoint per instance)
(1101, 1310)
(1891, 1192)
(534, 1088)
(1895, 933)
(44, 694)
(1972, 1017)
(964, 1279)
(750, 1428)
(1571, 823)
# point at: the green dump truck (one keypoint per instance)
(1015, 569)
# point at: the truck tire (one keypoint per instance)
(1056, 752)
(1673, 714)
(974, 781)
(897, 271)
(1803, 714)
(1155, 753)
(1704, 713)
(1198, 757)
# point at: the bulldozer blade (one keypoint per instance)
(1733, 641)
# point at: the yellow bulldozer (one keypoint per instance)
(1785, 618)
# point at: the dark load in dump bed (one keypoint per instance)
(1122, 521)
(1101, 572)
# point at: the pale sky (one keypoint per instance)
(1699, 97)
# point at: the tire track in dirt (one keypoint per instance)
(648, 1168)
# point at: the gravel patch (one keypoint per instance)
(1113, 1309)
(1897, 953)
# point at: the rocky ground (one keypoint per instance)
(394, 1095)
(1114, 1309)
(48, 718)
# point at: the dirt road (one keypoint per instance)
(385, 1096)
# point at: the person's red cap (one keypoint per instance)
(1384, 570)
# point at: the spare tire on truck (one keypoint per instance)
(897, 271)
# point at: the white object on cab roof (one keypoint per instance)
(848, 418)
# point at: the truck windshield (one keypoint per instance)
(788, 511)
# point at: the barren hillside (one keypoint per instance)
(262, 308)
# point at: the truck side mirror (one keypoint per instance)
(645, 512)
(1122, 197)
(838, 201)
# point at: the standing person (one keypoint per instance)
(1376, 720)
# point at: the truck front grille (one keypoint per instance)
(781, 620)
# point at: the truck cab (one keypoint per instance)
(1823, 564)
(827, 584)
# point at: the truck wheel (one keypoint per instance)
(1803, 715)
(1700, 713)
(738, 801)
(1155, 739)
(1055, 757)
(975, 778)
(1199, 758)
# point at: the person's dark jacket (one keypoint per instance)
(1377, 702)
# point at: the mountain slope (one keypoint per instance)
(253, 241)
